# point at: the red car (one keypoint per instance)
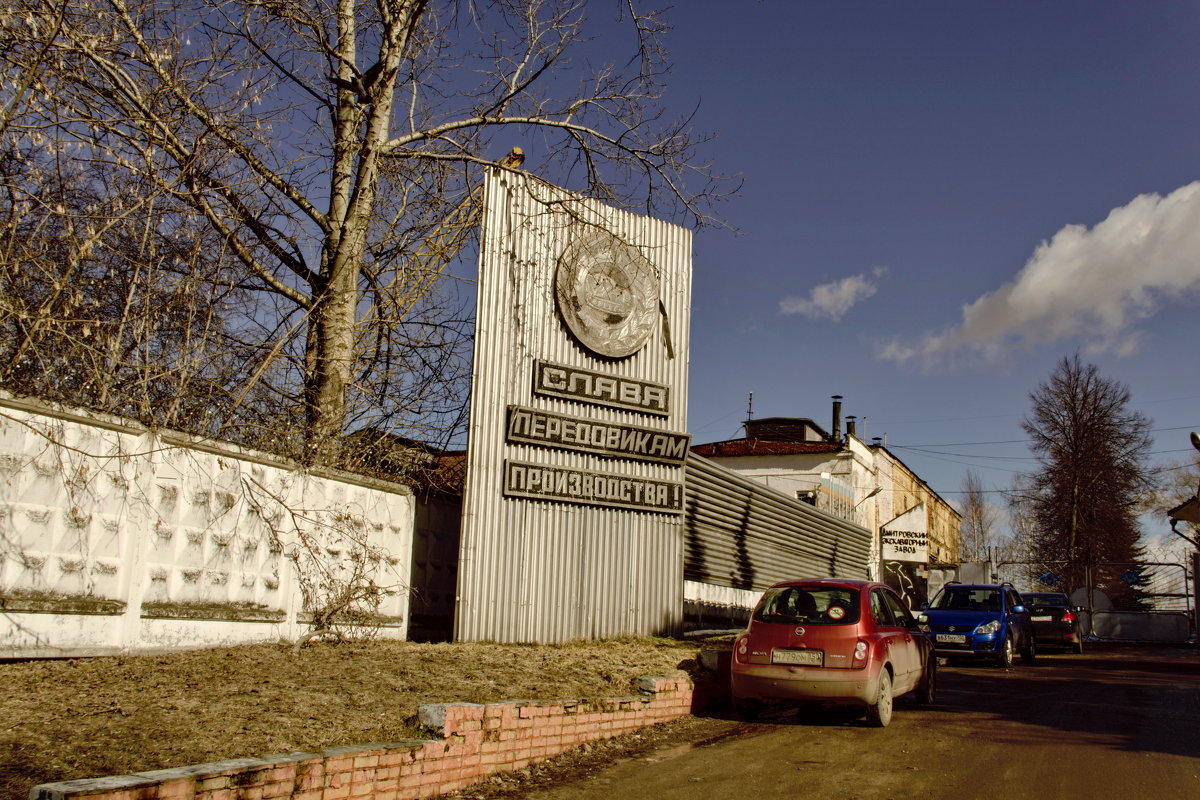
(830, 640)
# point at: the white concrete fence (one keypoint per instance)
(115, 538)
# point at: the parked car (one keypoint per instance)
(1055, 622)
(982, 621)
(830, 640)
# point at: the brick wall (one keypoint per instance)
(477, 740)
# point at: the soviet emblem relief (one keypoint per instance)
(607, 293)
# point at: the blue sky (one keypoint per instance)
(940, 201)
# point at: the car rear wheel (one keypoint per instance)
(747, 709)
(879, 713)
(1005, 659)
(927, 688)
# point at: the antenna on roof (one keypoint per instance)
(750, 407)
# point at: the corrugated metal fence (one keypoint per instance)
(742, 534)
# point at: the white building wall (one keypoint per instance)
(114, 538)
(791, 475)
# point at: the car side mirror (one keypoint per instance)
(1020, 610)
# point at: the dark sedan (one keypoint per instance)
(1055, 622)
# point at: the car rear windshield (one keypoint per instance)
(968, 598)
(814, 605)
(1044, 598)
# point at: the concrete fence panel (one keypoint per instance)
(114, 538)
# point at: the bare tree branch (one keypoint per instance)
(314, 171)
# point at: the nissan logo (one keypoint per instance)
(799, 631)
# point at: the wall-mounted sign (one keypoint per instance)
(904, 545)
(607, 293)
(573, 383)
(905, 537)
(542, 482)
(530, 426)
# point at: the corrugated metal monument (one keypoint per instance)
(572, 512)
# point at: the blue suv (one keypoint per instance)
(983, 620)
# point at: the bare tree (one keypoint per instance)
(1181, 482)
(111, 298)
(1019, 548)
(325, 159)
(978, 526)
(1093, 475)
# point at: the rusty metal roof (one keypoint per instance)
(760, 447)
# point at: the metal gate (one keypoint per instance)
(1145, 601)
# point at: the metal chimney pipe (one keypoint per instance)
(851, 425)
(837, 418)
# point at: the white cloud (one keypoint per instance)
(834, 299)
(1093, 285)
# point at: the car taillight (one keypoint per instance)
(1068, 617)
(740, 648)
(860, 653)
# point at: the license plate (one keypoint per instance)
(1042, 619)
(952, 638)
(809, 658)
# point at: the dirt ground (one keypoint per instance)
(1119, 721)
(81, 718)
(647, 745)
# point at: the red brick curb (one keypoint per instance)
(478, 740)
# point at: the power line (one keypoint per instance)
(964, 444)
(1003, 416)
(940, 457)
(1026, 441)
(950, 419)
(965, 455)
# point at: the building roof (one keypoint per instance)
(785, 429)
(1188, 511)
(760, 447)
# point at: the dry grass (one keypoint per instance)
(81, 718)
